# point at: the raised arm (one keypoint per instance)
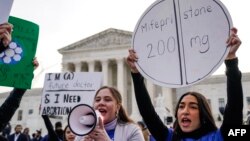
(147, 111)
(234, 87)
(52, 136)
(10, 105)
(12, 102)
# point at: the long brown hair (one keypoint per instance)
(122, 116)
(64, 132)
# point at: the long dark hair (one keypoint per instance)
(206, 119)
(64, 132)
(122, 116)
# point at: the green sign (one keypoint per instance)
(16, 67)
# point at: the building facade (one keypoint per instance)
(106, 52)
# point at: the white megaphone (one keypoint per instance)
(83, 119)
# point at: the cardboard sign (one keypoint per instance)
(5, 7)
(16, 67)
(183, 40)
(63, 91)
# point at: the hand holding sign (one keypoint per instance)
(5, 7)
(63, 91)
(5, 28)
(184, 41)
(16, 69)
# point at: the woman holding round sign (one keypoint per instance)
(179, 38)
(194, 120)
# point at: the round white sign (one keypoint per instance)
(181, 42)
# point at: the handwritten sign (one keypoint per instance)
(184, 41)
(63, 91)
(16, 67)
(5, 7)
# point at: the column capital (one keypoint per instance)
(78, 62)
(104, 60)
(120, 59)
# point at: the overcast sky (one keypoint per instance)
(63, 22)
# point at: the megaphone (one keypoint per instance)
(83, 119)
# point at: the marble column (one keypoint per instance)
(169, 97)
(136, 116)
(121, 79)
(105, 71)
(91, 65)
(64, 67)
(78, 66)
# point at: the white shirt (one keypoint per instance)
(16, 136)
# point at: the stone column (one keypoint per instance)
(169, 97)
(121, 79)
(91, 65)
(64, 67)
(105, 71)
(78, 66)
(136, 116)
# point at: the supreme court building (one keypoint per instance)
(106, 52)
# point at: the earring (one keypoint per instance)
(116, 113)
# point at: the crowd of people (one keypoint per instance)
(194, 120)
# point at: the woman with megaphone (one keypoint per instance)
(114, 123)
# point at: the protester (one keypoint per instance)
(38, 136)
(18, 135)
(194, 120)
(6, 131)
(59, 130)
(3, 138)
(26, 131)
(12, 102)
(51, 136)
(33, 135)
(55, 135)
(68, 135)
(114, 123)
